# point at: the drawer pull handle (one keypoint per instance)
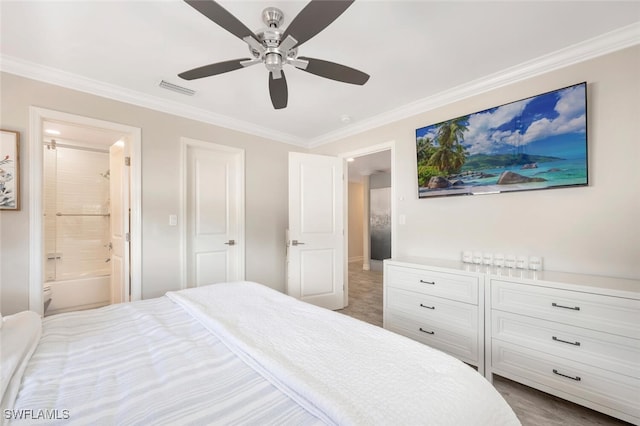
(576, 378)
(565, 341)
(428, 332)
(428, 307)
(428, 282)
(574, 308)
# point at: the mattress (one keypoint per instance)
(241, 353)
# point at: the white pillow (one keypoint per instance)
(19, 336)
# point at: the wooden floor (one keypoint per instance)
(533, 408)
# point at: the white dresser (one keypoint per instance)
(436, 303)
(571, 335)
(574, 336)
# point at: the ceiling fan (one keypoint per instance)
(275, 47)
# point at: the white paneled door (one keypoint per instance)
(214, 212)
(315, 259)
(119, 221)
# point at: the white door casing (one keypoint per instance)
(119, 221)
(315, 265)
(213, 212)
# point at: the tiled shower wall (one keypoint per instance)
(76, 186)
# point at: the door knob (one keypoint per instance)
(231, 242)
(296, 243)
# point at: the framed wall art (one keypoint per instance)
(9, 170)
(534, 143)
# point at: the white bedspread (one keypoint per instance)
(343, 370)
(143, 363)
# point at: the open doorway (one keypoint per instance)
(86, 216)
(370, 229)
(370, 209)
(84, 212)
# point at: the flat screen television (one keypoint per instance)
(534, 143)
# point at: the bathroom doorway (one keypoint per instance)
(77, 181)
(88, 188)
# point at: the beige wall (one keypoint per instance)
(590, 229)
(266, 188)
(356, 219)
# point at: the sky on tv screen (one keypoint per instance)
(553, 123)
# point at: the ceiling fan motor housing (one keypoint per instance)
(273, 56)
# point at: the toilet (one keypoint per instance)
(46, 297)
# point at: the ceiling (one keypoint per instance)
(365, 165)
(75, 134)
(413, 50)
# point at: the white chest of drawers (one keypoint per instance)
(435, 304)
(571, 335)
(574, 336)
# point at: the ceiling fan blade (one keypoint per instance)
(334, 71)
(315, 17)
(222, 17)
(213, 69)
(278, 91)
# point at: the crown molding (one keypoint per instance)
(607, 43)
(72, 81)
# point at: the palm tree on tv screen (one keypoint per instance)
(450, 154)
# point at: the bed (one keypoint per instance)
(231, 353)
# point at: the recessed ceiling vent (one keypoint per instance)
(176, 88)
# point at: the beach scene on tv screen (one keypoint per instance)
(535, 143)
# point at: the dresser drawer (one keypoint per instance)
(596, 312)
(431, 309)
(462, 288)
(460, 343)
(612, 390)
(606, 351)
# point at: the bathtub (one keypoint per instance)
(80, 293)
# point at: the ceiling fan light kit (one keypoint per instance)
(276, 48)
